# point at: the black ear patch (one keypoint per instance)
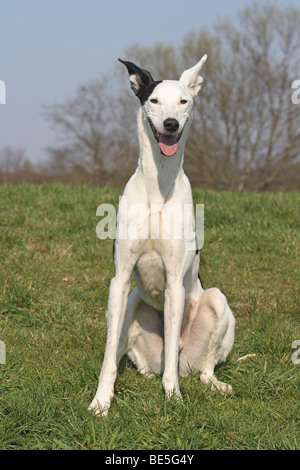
(142, 84)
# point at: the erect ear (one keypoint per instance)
(140, 79)
(191, 78)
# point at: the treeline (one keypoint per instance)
(245, 133)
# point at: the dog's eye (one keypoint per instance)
(154, 101)
(183, 101)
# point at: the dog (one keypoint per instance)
(169, 324)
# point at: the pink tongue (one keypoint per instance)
(168, 144)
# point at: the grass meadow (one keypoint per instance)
(54, 280)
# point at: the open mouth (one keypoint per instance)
(168, 143)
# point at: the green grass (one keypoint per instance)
(55, 276)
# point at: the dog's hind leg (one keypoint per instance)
(207, 337)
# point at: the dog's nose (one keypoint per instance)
(171, 124)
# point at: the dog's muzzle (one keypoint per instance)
(168, 143)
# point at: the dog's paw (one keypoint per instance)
(173, 393)
(222, 387)
(98, 408)
(216, 385)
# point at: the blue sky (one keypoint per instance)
(50, 47)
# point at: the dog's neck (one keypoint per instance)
(160, 173)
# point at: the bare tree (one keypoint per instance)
(82, 124)
(15, 167)
(94, 132)
(11, 159)
(249, 133)
(273, 47)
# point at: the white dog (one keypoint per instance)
(168, 324)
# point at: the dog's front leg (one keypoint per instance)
(118, 295)
(173, 313)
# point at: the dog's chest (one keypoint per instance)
(150, 278)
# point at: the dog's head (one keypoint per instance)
(167, 104)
